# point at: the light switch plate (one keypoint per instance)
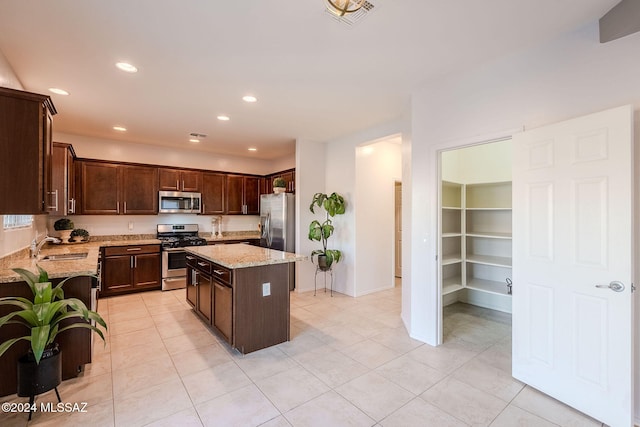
(266, 289)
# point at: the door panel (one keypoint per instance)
(572, 192)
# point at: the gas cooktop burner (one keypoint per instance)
(177, 236)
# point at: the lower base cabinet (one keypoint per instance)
(131, 269)
(223, 309)
(75, 344)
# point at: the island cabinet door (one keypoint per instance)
(205, 297)
(222, 313)
(192, 286)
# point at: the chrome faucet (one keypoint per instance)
(37, 247)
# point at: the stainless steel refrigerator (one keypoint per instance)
(278, 225)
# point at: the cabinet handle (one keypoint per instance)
(135, 262)
(189, 257)
(133, 249)
(131, 262)
(183, 185)
(218, 272)
(194, 278)
(71, 206)
(118, 207)
(202, 264)
(54, 207)
(177, 185)
(125, 207)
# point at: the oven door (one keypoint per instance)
(174, 269)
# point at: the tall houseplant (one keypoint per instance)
(43, 315)
(333, 205)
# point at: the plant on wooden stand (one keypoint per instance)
(333, 205)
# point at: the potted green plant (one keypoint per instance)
(279, 185)
(40, 369)
(80, 235)
(333, 205)
(63, 226)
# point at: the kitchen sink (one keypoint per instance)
(64, 257)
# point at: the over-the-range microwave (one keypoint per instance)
(179, 202)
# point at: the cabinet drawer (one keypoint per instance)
(131, 250)
(221, 274)
(192, 260)
(202, 265)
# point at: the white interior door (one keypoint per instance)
(572, 232)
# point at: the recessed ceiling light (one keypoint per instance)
(125, 66)
(223, 118)
(252, 149)
(249, 98)
(194, 140)
(120, 128)
(58, 91)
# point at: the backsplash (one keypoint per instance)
(107, 225)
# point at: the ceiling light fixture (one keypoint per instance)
(120, 128)
(342, 7)
(58, 91)
(223, 118)
(194, 140)
(249, 98)
(126, 67)
(252, 149)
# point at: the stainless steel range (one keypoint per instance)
(174, 238)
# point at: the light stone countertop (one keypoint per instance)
(59, 269)
(241, 255)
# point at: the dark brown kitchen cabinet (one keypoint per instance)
(223, 310)
(139, 190)
(289, 177)
(117, 189)
(243, 194)
(180, 180)
(75, 343)
(25, 149)
(63, 180)
(130, 269)
(200, 287)
(213, 193)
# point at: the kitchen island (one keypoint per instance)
(242, 292)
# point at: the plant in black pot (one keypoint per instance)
(80, 235)
(40, 369)
(333, 205)
(64, 227)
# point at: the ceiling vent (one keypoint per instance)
(197, 135)
(355, 17)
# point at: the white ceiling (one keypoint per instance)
(315, 78)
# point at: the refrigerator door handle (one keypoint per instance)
(268, 224)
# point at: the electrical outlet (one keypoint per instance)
(266, 289)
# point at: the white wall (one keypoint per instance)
(124, 151)
(310, 179)
(572, 76)
(489, 162)
(378, 167)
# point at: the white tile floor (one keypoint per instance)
(350, 363)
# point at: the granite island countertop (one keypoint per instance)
(240, 255)
(66, 268)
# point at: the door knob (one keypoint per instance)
(615, 286)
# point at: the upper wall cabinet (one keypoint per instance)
(213, 193)
(289, 177)
(243, 195)
(62, 180)
(116, 189)
(180, 180)
(25, 152)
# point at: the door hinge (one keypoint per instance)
(633, 288)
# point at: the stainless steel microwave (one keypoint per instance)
(179, 202)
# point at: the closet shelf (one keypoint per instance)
(488, 234)
(490, 260)
(490, 286)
